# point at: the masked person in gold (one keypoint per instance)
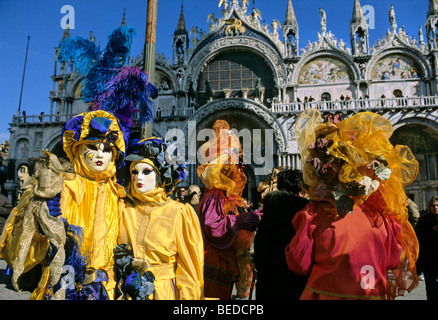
(89, 202)
(163, 235)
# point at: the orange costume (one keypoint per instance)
(220, 221)
(356, 228)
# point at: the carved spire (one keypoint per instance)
(123, 19)
(291, 19)
(290, 32)
(392, 20)
(359, 35)
(180, 40)
(66, 31)
(181, 27)
(358, 15)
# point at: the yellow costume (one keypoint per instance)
(165, 235)
(89, 201)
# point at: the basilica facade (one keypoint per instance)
(259, 77)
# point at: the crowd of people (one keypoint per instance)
(100, 222)
(164, 241)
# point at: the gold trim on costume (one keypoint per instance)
(348, 296)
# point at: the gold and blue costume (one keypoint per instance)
(90, 201)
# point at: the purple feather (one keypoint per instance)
(127, 94)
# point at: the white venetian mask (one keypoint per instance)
(97, 157)
(143, 177)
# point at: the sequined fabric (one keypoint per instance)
(33, 217)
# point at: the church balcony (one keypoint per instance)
(40, 119)
(169, 114)
(373, 105)
(44, 119)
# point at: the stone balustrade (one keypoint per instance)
(374, 105)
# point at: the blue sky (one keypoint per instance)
(41, 21)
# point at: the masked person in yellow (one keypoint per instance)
(158, 234)
(88, 202)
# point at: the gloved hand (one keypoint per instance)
(54, 205)
(247, 221)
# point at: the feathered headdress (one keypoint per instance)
(346, 161)
(107, 84)
(127, 93)
(164, 157)
(350, 162)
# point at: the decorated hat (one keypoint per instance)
(346, 161)
(163, 156)
(351, 162)
(92, 126)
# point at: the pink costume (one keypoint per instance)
(347, 258)
(354, 239)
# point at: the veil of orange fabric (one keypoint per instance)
(356, 143)
(219, 168)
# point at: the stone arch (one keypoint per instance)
(54, 145)
(257, 111)
(429, 119)
(71, 89)
(23, 162)
(249, 44)
(417, 135)
(333, 54)
(424, 69)
(164, 68)
(421, 136)
(22, 150)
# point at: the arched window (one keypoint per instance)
(235, 72)
(326, 96)
(398, 93)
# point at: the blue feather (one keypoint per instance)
(74, 256)
(117, 51)
(96, 68)
(115, 56)
(83, 52)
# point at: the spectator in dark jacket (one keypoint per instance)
(427, 234)
(274, 279)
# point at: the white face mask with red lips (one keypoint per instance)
(143, 177)
(97, 157)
